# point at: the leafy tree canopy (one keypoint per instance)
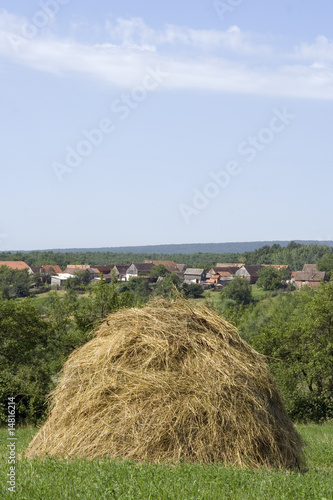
(239, 291)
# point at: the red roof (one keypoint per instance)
(14, 264)
(78, 266)
(169, 264)
(49, 268)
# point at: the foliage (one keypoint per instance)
(169, 285)
(326, 264)
(269, 279)
(192, 290)
(79, 281)
(159, 271)
(14, 283)
(139, 288)
(294, 254)
(295, 331)
(24, 356)
(238, 291)
(34, 344)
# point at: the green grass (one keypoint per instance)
(208, 296)
(259, 293)
(108, 479)
(213, 298)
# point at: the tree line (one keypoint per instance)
(294, 254)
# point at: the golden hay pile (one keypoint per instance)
(166, 382)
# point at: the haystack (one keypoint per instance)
(166, 382)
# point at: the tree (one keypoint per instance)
(138, 287)
(239, 291)
(168, 285)
(192, 290)
(269, 279)
(21, 283)
(25, 374)
(326, 264)
(14, 283)
(79, 281)
(159, 271)
(104, 298)
(296, 335)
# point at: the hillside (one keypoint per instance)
(191, 248)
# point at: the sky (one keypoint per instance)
(143, 123)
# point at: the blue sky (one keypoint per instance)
(134, 123)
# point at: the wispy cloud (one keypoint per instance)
(136, 33)
(321, 50)
(227, 61)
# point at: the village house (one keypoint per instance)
(102, 271)
(120, 272)
(230, 264)
(58, 280)
(250, 273)
(171, 266)
(16, 265)
(51, 269)
(140, 269)
(309, 276)
(181, 268)
(220, 279)
(223, 268)
(46, 269)
(193, 275)
(76, 268)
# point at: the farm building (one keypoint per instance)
(58, 280)
(231, 269)
(17, 265)
(139, 269)
(74, 269)
(250, 273)
(230, 264)
(169, 264)
(120, 272)
(193, 275)
(221, 278)
(309, 276)
(46, 269)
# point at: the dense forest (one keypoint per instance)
(294, 254)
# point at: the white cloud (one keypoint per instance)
(321, 50)
(134, 33)
(227, 61)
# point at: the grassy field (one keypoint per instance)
(213, 298)
(106, 479)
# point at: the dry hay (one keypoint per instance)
(166, 382)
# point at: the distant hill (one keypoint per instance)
(191, 248)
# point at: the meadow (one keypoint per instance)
(52, 478)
